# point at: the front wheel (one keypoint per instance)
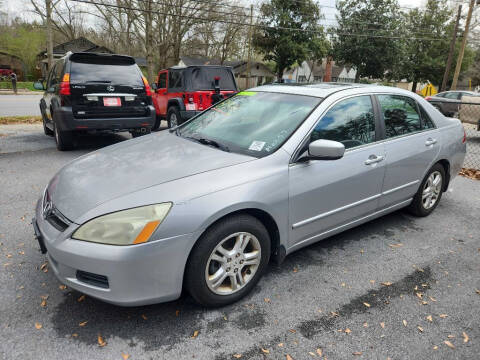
(430, 192)
(227, 261)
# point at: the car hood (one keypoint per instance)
(131, 166)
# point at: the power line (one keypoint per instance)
(264, 27)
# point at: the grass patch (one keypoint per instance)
(28, 85)
(9, 120)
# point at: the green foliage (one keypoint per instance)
(23, 40)
(363, 36)
(20, 85)
(292, 33)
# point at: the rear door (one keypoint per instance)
(53, 83)
(106, 86)
(160, 96)
(411, 145)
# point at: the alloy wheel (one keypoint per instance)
(431, 190)
(173, 120)
(233, 263)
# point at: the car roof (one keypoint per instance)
(325, 89)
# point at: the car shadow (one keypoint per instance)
(170, 323)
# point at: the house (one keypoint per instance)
(77, 45)
(259, 73)
(13, 62)
(317, 71)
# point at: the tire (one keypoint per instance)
(173, 116)
(421, 206)
(63, 139)
(158, 120)
(46, 130)
(201, 266)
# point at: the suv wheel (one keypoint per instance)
(173, 117)
(46, 130)
(63, 139)
(227, 261)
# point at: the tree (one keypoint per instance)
(365, 36)
(290, 33)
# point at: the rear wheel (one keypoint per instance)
(173, 117)
(227, 261)
(63, 139)
(430, 192)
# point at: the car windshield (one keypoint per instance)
(251, 123)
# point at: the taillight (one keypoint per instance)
(428, 98)
(65, 85)
(464, 140)
(147, 86)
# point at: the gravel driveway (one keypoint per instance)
(398, 287)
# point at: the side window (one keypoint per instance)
(51, 77)
(58, 71)
(175, 80)
(427, 122)
(351, 122)
(162, 80)
(400, 114)
(452, 95)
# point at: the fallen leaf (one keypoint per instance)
(267, 300)
(100, 341)
(293, 331)
(420, 328)
(177, 312)
(366, 304)
(451, 336)
(465, 337)
(125, 356)
(404, 322)
(280, 345)
(333, 313)
(449, 344)
(435, 347)
(357, 353)
(382, 324)
(237, 356)
(365, 324)
(386, 283)
(195, 334)
(362, 251)
(9, 256)
(311, 353)
(74, 335)
(429, 318)
(265, 351)
(343, 284)
(424, 303)
(319, 352)
(62, 287)
(443, 316)
(396, 245)
(288, 357)
(477, 291)
(225, 317)
(295, 270)
(44, 267)
(372, 281)
(144, 317)
(38, 326)
(419, 295)
(21, 252)
(432, 298)
(83, 323)
(81, 298)
(43, 303)
(348, 331)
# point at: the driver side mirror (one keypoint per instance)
(38, 85)
(325, 150)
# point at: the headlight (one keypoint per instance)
(126, 227)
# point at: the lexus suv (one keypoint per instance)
(90, 92)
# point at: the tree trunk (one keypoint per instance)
(48, 5)
(414, 86)
(149, 40)
(357, 76)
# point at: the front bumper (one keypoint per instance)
(135, 275)
(65, 120)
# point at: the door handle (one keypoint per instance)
(372, 159)
(430, 141)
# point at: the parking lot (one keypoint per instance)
(398, 287)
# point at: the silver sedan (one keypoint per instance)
(206, 205)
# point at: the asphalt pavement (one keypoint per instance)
(398, 287)
(20, 105)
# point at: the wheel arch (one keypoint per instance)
(446, 166)
(178, 102)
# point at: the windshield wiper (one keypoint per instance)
(209, 142)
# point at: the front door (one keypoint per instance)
(326, 194)
(411, 145)
(160, 98)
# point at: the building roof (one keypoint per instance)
(80, 44)
(239, 66)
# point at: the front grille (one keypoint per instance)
(58, 223)
(92, 279)
(52, 215)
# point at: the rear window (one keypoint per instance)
(115, 74)
(204, 78)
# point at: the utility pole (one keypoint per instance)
(48, 5)
(452, 50)
(462, 49)
(149, 40)
(249, 58)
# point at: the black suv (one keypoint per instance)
(87, 92)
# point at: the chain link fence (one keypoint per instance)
(469, 114)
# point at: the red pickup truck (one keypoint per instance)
(182, 92)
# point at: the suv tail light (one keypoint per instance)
(65, 85)
(147, 86)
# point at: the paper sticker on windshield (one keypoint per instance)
(257, 145)
(247, 93)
